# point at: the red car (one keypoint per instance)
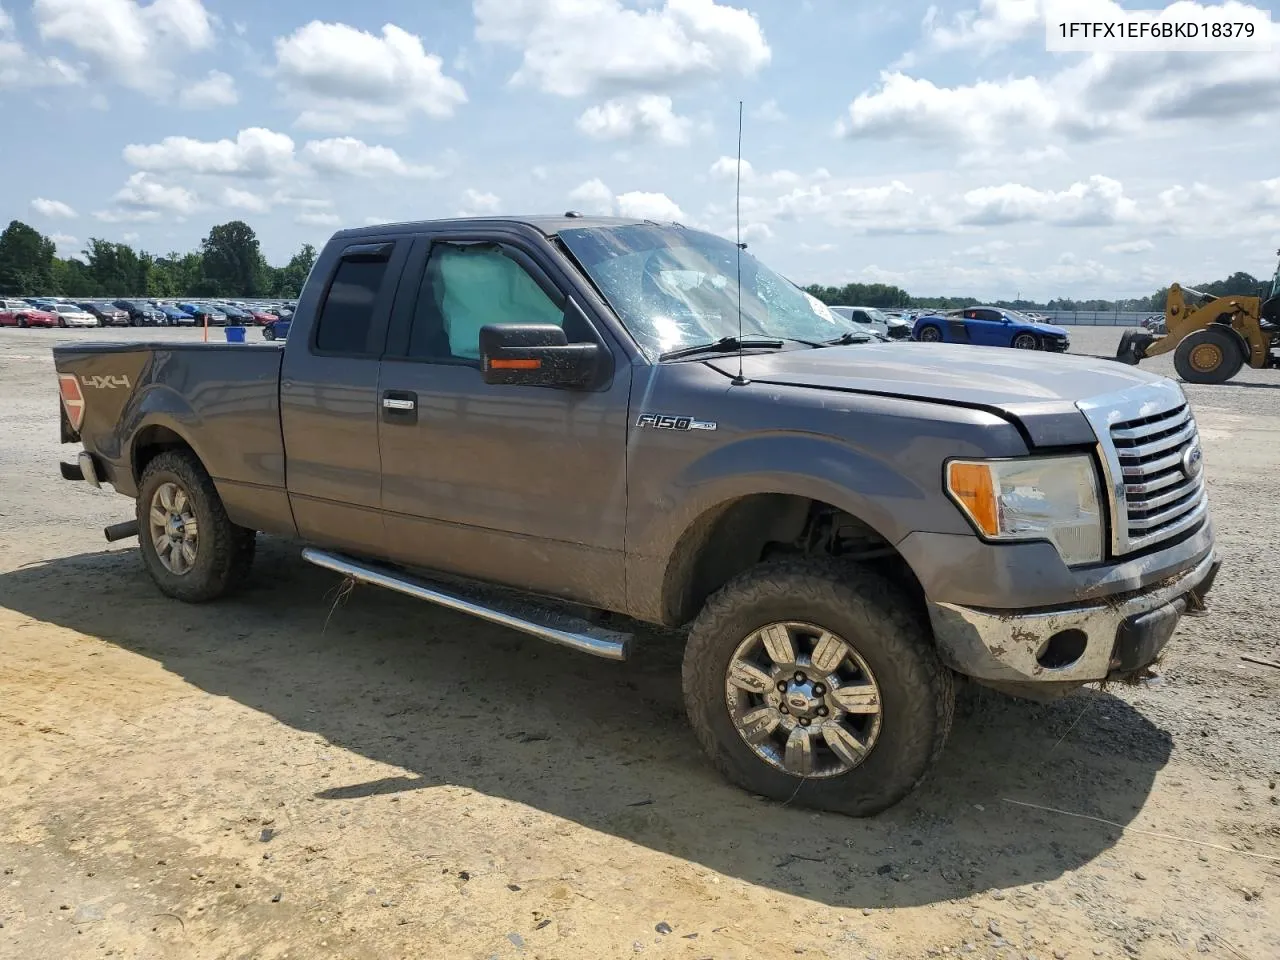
(262, 318)
(19, 313)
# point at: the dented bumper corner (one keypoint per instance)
(1081, 643)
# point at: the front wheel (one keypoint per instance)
(1025, 341)
(62, 323)
(189, 545)
(817, 683)
(930, 334)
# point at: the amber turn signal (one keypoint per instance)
(530, 364)
(972, 487)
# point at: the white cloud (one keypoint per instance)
(339, 77)
(994, 24)
(756, 232)
(1099, 95)
(892, 207)
(52, 208)
(126, 40)
(68, 246)
(315, 219)
(352, 157)
(19, 69)
(726, 168)
(1269, 191)
(769, 112)
(594, 197)
(904, 107)
(245, 200)
(477, 203)
(1129, 247)
(1099, 201)
(643, 117)
(577, 47)
(143, 193)
(375, 221)
(127, 216)
(649, 206)
(217, 89)
(255, 152)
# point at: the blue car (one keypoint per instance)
(991, 327)
(174, 316)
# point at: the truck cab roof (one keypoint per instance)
(546, 224)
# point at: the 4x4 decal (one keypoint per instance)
(109, 382)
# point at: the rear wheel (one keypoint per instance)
(930, 334)
(1026, 341)
(22, 322)
(1211, 355)
(816, 683)
(189, 545)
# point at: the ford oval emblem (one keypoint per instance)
(1193, 461)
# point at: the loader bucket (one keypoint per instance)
(1133, 346)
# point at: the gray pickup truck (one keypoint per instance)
(567, 424)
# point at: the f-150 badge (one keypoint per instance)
(660, 422)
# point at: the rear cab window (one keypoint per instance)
(351, 320)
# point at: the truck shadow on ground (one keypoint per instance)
(606, 745)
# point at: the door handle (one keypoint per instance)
(400, 407)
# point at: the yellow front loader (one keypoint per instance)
(1212, 337)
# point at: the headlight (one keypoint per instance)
(1033, 498)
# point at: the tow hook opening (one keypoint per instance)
(1063, 649)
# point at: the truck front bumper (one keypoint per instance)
(1110, 638)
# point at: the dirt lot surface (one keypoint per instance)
(277, 776)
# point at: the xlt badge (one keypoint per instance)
(660, 422)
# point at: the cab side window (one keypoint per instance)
(345, 322)
(466, 286)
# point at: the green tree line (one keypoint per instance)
(229, 263)
(886, 296)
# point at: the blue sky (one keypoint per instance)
(938, 146)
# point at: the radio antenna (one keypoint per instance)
(740, 380)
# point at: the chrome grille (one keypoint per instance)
(1162, 497)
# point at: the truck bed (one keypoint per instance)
(224, 398)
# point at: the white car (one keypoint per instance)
(69, 315)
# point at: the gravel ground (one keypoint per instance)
(289, 775)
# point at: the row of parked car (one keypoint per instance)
(979, 326)
(125, 312)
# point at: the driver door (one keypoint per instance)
(515, 484)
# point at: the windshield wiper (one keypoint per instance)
(723, 345)
(853, 336)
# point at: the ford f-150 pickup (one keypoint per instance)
(567, 424)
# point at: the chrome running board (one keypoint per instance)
(562, 629)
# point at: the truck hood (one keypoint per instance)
(1038, 391)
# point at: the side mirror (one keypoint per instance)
(536, 355)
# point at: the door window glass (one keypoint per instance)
(469, 286)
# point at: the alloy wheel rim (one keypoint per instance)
(803, 699)
(174, 529)
(1025, 342)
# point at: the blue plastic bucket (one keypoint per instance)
(234, 334)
